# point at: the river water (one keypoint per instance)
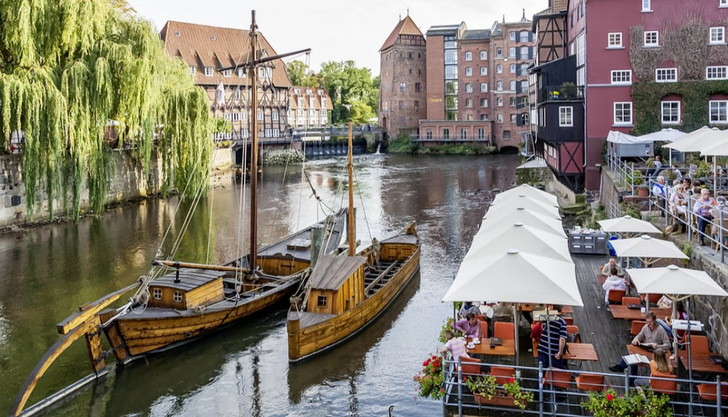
(47, 272)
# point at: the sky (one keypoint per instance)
(335, 30)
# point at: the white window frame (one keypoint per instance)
(720, 72)
(661, 75)
(241, 73)
(227, 73)
(177, 296)
(614, 40)
(468, 71)
(646, 6)
(649, 34)
(193, 70)
(723, 3)
(483, 55)
(499, 69)
(274, 115)
(209, 71)
(717, 35)
(483, 70)
(621, 77)
(157, 293)
(483, 102)
(468, 88)
(668, 114)
(512, 85)
(236, 116)
(622, 107)
(499, 85)
(566, 116)
(512, 68)
(483, 87)
(722, 115)
(468, 56)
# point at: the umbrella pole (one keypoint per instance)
(715, 177)
(516, 323)
(690, 356)
(674, 335)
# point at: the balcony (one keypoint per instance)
(565, 92)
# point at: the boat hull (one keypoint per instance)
(310, 334)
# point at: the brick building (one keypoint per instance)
(309, 108)
(402, 74)
(209, 52)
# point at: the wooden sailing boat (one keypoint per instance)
(177, 302)
(346, 292)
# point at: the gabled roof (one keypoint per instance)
(405, 26)
(331, 271)
(477, 34)
(201, 45)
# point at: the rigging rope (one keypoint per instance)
(366, 220)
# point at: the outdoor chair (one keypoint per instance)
(558, 378)
(654, 298)
(589, 382)
(568, 319)
(503, 330)
(483, 329)
(631, 300)
(573, 330)
(667, 385)
(502, 374)
(471, 366)
(637, 326)
(615, 296)
(699, 344)
(708, 392)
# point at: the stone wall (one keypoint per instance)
(536, 173)
(129, 183)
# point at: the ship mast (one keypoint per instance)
(254, 150)
(352, 238)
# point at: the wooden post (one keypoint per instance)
(351, 230)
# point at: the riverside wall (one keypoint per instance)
(711, 311)
(129, 183)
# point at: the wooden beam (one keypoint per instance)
(190, 265)
(87, 311)
(51, 355)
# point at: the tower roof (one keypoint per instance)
(405, 26)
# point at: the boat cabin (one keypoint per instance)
(336, 284)
(186, 288)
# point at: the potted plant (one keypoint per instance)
(487, 391)
(430, 378)
(637, 403)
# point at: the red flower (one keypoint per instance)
(427, 362)
(442, 389)
(610, 397)
(512, 380)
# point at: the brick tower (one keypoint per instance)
(402, 89)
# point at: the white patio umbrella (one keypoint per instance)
(714, 149)
(494, 222)
(647, 249)
(521, 237)
(532, 192)
(525, 202)
(531, 279)
(627, 225)
(664, 135)
(691, 142)
(676, 283)
(500, 198)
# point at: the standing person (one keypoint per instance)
(702, 208)
(455, 345)
(553, 342)
(657, 164)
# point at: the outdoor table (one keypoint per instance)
(626, 313)
(531, 307)
(581, 352)
(631, 349)
(508, 348)
(701, 363)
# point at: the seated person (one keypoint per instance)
(469, 307)
(681, 314)
(503, 311)
(455, 345)
(487, 311)
(612, 264)
(613, 282)
(652, 336)
(659, 367)
(470, 326)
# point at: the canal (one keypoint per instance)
(47, 272)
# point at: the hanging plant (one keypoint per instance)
(68, 68)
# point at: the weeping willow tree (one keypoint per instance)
(70, 69)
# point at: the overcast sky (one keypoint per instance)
(335, 30)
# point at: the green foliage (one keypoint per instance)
(630, 210)
(688, 251)
(448, 326)
(68, 68)
(402, 144)
(703, 169)
(347, 84)
(300, 75)
(638, 402)
(430, 378)
(220, 125)
(487, 386)
(646, 97)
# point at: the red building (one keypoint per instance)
(648, 64)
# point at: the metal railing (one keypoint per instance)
(624, 172)
(565, 398)
(710, 229)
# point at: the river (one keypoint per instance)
(48, 272)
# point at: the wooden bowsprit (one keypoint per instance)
(86, 323)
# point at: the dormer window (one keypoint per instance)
(309, 92)
(176, 33)
(209, 71)
(241, 73)
(212, 37)
(193, 70)
(296, 91)
(227, 73)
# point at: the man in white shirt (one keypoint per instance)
(660, 192)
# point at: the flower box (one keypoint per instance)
(497, 400)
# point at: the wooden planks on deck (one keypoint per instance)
(596, 324)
